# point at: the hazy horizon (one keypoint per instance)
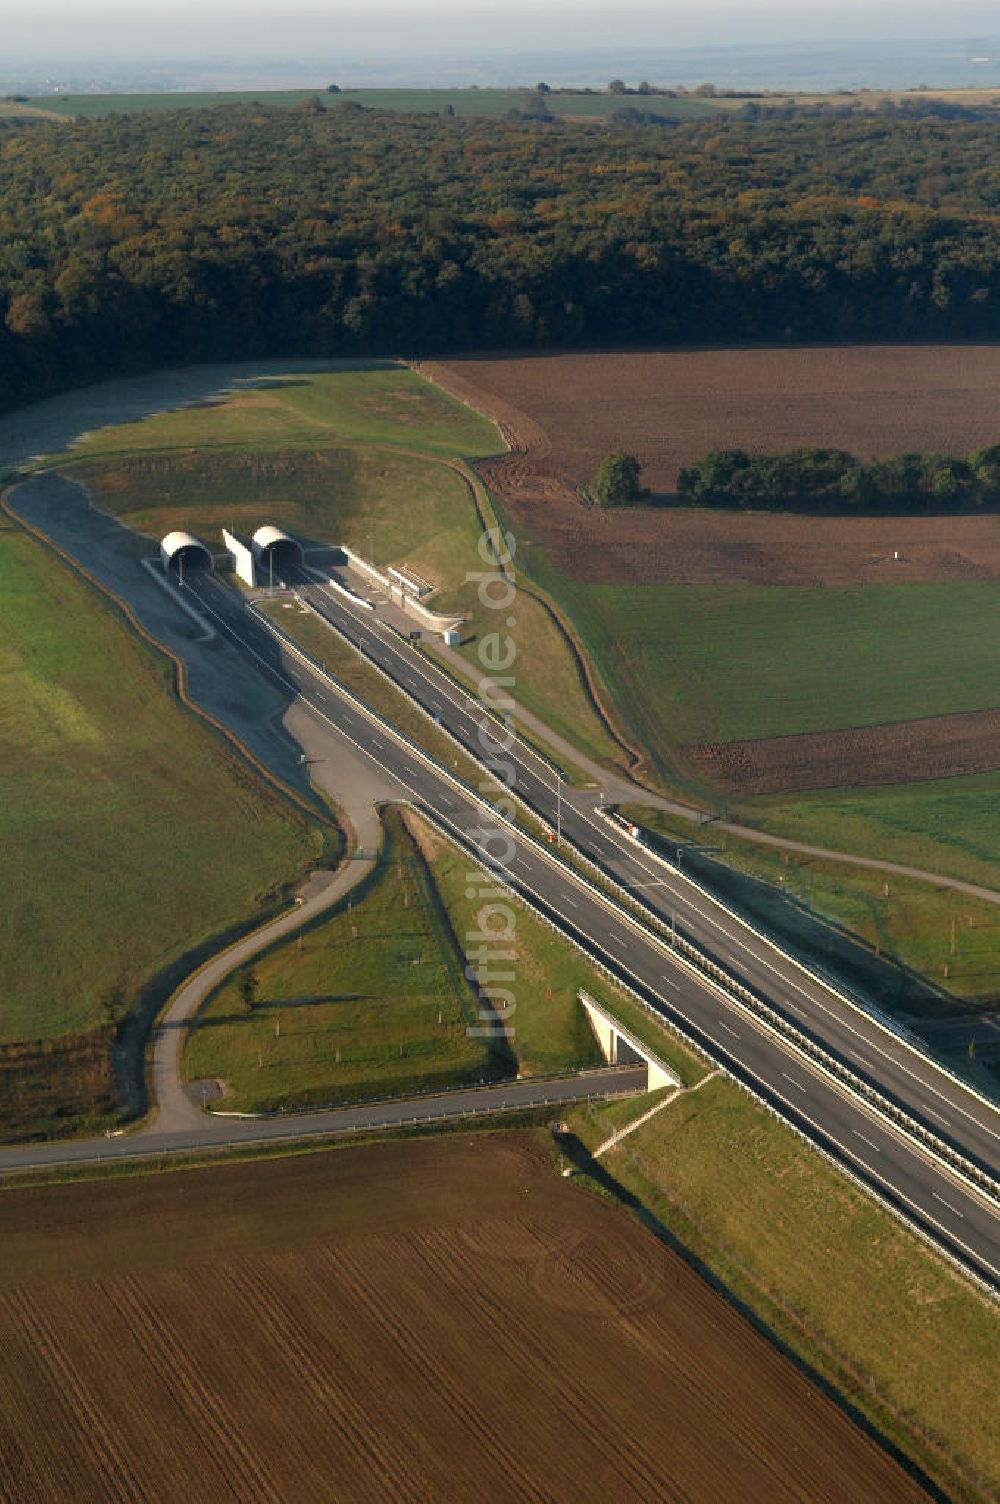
(67, 31)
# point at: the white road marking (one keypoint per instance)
(866, 1141)
(682, 887)
(571, 901)
(948, 1205)
(728, 1028)
(938, 1115)
(797, 1084)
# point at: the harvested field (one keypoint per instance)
(692, 545)
(563, 413)
(939, 746)
(435, 1320)
(672, 406)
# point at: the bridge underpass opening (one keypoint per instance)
(620, 1047)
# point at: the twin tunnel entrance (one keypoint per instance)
(269, 555)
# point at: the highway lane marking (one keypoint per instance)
(682, 887)
(607, 845)
(980, 1260)
(571, 901)
(863, 1139)
(948, 1205)
(800, 1087)
(839, 1016)
(728, 1028)
(935, 1114)
(862, 1060)
(604, 844)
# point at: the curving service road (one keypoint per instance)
(958, 1219)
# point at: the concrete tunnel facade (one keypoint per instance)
(275, 550)
(183, 553)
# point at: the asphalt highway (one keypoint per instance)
(944, 1208)
(930, 1095)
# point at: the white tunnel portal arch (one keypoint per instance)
(275, 550)
(183, 553)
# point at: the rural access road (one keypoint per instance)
(619, 789)
(216, 1131)
(173, 1109)
(958, 1219)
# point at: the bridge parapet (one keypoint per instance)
(617, 1042)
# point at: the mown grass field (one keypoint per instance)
(910, 1343)
(379, 402)
(948, 937)
(129, 837)
(680, 664)
(372, 1002)
(719, 662)
(947, 825)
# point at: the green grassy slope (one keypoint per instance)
(128, 836)
(371, 1002)
(724, 662)
(903, 1337)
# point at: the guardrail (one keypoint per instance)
(666, 1018)
(687, 956)
(871, 1015)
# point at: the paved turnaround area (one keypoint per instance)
(957, 1218)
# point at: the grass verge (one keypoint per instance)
(133, 837)
(914, 948)
(372, 1002)
(910, 1343)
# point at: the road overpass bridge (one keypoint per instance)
(621, 1047)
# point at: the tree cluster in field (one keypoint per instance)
(833, 480)
(130, 242)
(618, 482)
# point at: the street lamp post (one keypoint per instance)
(558, 808)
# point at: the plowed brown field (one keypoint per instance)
(672, 406)
(562, 413)
(439, 1320)
(899, 752)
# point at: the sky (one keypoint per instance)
(297, 28)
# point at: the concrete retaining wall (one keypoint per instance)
(242, 558)
(400, 597)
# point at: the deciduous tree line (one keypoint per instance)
(133, 241)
